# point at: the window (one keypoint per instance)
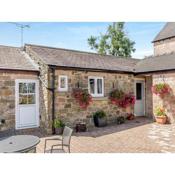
(26, 93)
(96, 86)
(138, 91)
(63, 83)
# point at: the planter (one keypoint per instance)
(81, 127)
(161, 120)
(100, 122)
(130, 117)
(59, 131)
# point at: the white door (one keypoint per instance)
(139, 107)
(27, 104)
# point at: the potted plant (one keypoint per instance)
(58, 125)
(100, 118)
(130, 116)
(120, 120)
(161, 117)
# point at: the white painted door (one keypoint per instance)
(139, 107)
(27, 104)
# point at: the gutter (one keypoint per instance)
(154, 72)
(52, 89)
(91, 69)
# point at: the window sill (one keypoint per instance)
(99, 98)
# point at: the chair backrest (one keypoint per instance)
(67, 133)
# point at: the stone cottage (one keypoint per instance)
(37, 83)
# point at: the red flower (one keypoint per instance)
(82, 97)
(161, 89)
(120, 99)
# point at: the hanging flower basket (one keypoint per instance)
(119, 98)
(83, 98)
(161, 89)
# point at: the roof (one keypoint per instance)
(15, 59)
(86, 60)
(168, 31)
(156, 63)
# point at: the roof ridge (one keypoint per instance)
(86, 52)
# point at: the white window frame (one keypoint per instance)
(96, 94)
(59, 83)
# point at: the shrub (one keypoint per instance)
(99, 114)
(120, 120)
(58, 123)
(160, 112)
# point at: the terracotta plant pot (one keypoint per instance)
(161, 120)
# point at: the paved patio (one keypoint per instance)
(141, 135)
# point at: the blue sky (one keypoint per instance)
(74, 35)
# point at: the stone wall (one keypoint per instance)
(148, 97)
(168, 102)
(45, 96)
(7, 94)
(69, 110)
(164, 47)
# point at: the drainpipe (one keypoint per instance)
(53, 95)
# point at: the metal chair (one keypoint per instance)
(65, 141)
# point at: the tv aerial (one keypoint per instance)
(21, 27)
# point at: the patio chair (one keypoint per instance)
(65, 141)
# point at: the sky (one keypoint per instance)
(74, 35)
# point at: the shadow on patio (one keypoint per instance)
(93, 132)
(113, 128)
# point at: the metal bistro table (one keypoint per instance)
(19, 144)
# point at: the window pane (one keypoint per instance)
(22, 99)
(31, 99)
(31, 87)
(92, 86)
(62, 82)
(99, 86)
(138, 91)
(22, 87)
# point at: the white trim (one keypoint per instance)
(96, 94)
(141, 80)
(17, 81)
(66, 83)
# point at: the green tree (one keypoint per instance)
(114, 42)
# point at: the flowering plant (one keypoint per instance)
(161, 89)
(160, 112)
(119, 98)
(82, 97)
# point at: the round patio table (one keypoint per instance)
(18, 143)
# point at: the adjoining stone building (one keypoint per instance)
(37, 83)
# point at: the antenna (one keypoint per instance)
(22, 27)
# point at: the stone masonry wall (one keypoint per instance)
(164, 47)
(7, 95)
(148, 97)
(168, 102)
(45, 97)
(69, 110)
